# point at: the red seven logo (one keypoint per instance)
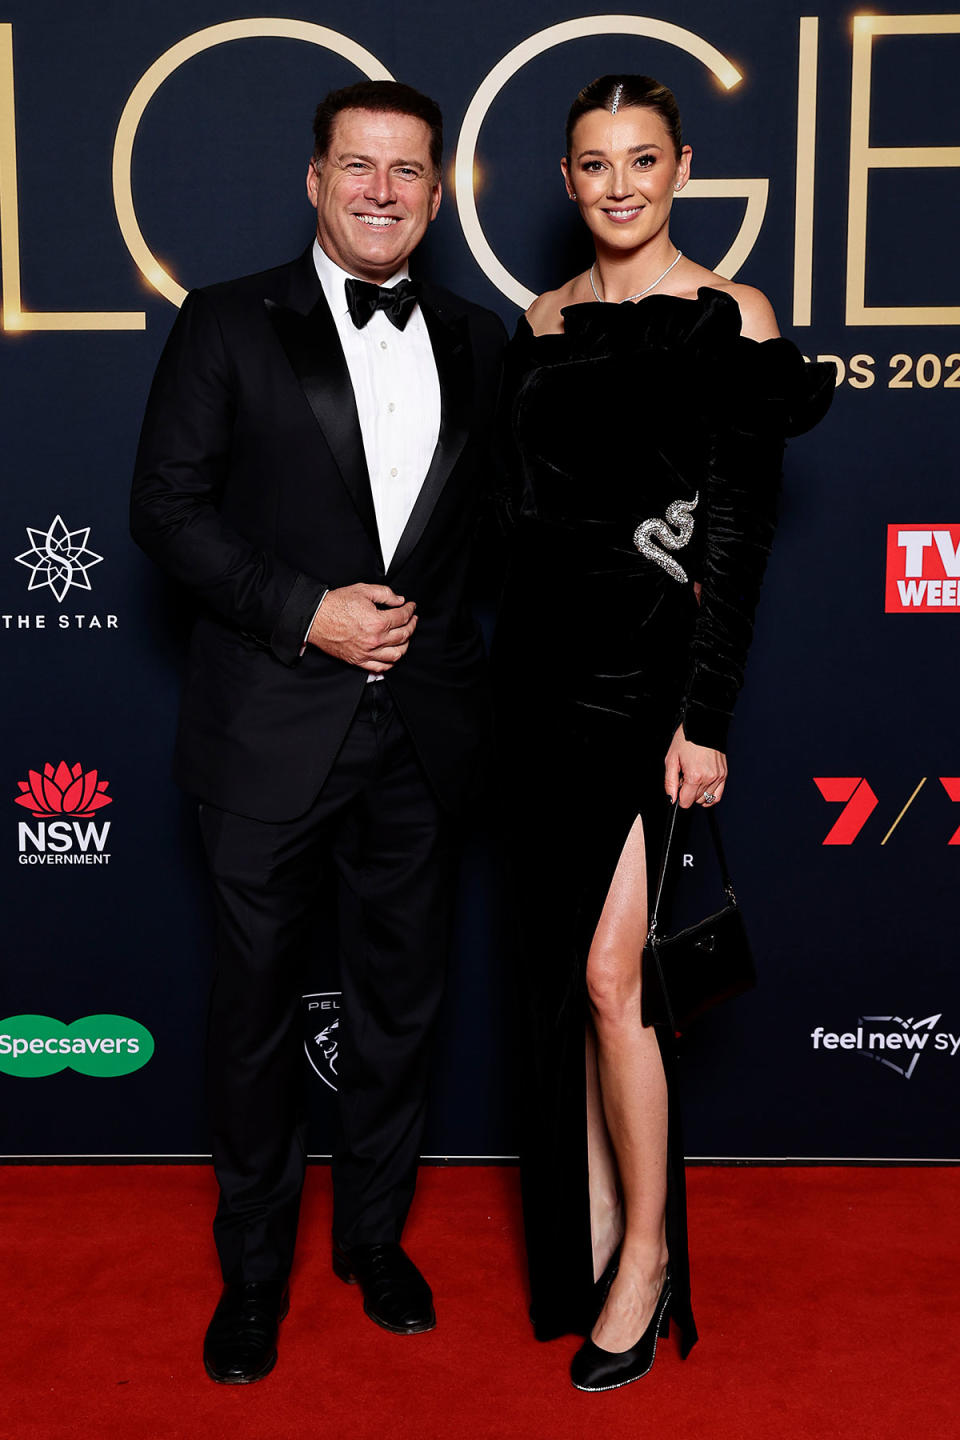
(951, 783)
(859, 803)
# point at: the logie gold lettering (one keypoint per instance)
(754, 190)
(14, 316)
(806, 148)
(864, 157)
(148, 85)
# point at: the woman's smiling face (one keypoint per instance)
(623, 171)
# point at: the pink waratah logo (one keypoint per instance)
(63, 791)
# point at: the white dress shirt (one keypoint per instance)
(395, 384)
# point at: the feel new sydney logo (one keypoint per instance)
(892, 1040)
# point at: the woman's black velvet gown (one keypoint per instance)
(601, 651)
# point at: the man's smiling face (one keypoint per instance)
(375, 191)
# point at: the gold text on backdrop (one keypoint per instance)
(14, 316)
(145, 89)
(754, 190)
(863, 158)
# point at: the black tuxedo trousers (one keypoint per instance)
(378, 847)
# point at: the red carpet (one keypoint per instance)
(826, 1298)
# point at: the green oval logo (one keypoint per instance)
(106, 1045)
(32, 1045)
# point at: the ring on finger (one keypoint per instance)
(708, 798)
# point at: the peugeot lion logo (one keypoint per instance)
(321, 1042)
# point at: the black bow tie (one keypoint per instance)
(397, 302)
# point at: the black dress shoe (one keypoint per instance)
(241, 1341)
(395, 1294)
(596, 1369)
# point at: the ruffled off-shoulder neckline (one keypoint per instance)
(588, 316)
(762, 378)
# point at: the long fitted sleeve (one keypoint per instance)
(178, 490)
(767, 394)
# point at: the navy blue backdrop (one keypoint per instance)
(826, 150)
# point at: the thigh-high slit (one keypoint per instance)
(573, 806)
(601, 650)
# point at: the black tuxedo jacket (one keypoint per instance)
(251, 489)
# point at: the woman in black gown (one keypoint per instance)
(649, 402)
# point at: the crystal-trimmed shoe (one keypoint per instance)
(596, 1369)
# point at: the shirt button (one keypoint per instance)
(394, 470)
(391, 407)
(383, 344)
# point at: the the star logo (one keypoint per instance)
(59, 558)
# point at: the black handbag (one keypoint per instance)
(686, 974)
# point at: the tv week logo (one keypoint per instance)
(64, 802)
(923, 569)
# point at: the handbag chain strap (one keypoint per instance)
(725, 880)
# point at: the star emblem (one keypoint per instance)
(59, 558)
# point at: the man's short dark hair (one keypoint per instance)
(386, 96)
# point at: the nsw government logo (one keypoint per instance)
(59, 561)
(894, 1041)
(321, 1042)
(64, 802)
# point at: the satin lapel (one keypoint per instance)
(451, 350)
(313, 349)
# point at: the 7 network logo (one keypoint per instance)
(859, 800)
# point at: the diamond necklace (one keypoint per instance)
(640, 293)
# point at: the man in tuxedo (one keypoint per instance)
(311, 464)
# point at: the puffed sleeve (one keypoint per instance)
(764, 393)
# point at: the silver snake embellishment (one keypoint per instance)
(679, 515)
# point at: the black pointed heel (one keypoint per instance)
(596, 1369)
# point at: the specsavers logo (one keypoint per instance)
(105, 1045)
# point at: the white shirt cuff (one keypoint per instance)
(313, 617)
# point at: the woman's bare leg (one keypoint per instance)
(606, 1207)
(634, 1093)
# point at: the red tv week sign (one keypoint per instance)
(923, 569)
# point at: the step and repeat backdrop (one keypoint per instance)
(147, 149)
